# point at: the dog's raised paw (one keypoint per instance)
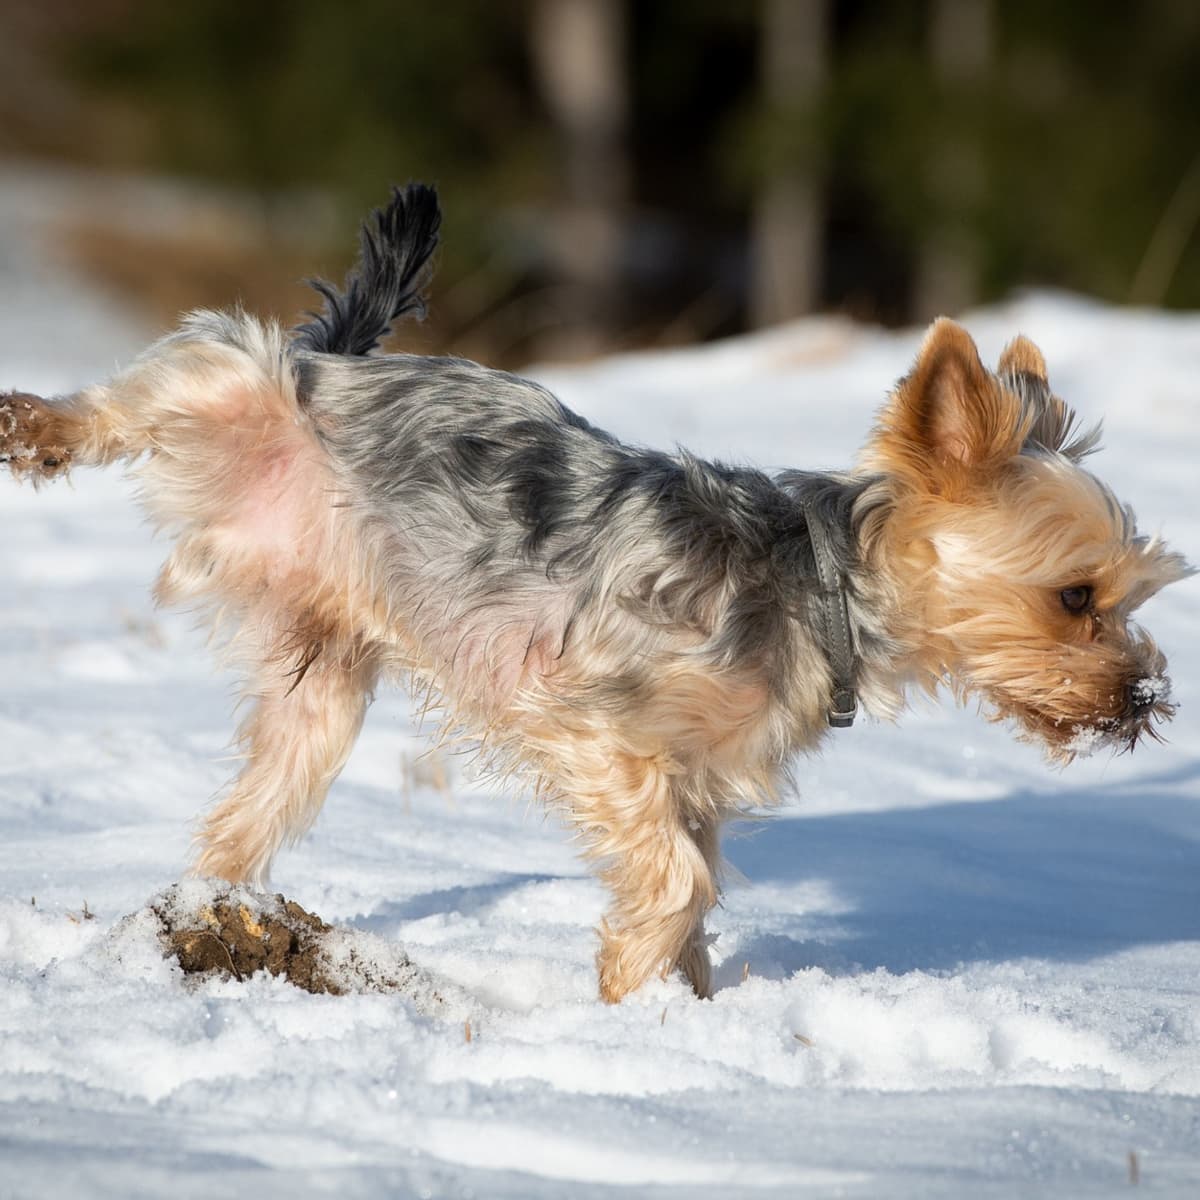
(27, 437)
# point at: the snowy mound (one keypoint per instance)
(215, 928)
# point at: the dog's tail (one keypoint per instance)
(396, 245)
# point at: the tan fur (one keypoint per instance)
(983, 539)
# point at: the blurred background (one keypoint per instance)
(615, 173)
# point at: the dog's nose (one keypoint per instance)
(1143, 694)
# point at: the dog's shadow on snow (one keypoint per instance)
(1058, 874)
(467, 900)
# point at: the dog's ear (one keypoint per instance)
(948, 419)
(1053, 424)
(1021, 356)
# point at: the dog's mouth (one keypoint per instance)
(1146, 704)
(1132, 715)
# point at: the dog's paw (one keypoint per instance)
(28, 441)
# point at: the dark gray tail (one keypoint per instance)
(396, 244)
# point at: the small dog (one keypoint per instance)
(647, 636)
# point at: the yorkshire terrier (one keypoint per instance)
(646, 636)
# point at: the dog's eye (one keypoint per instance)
(1076, 599)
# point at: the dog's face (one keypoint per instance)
(1028, 566)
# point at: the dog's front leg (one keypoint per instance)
(661, 865)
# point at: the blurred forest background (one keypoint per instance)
(622, 173)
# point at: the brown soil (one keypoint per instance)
(235, 932)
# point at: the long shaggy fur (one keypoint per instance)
(643, 635)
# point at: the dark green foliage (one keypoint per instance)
(1077, 135)
(284, 91)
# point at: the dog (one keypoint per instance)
(647, 637)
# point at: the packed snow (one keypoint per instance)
(942, 968)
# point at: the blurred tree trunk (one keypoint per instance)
(948, 267)
(788, 212)
(579, 57)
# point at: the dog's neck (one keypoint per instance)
(902, 648)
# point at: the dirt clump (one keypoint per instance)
(227, 929)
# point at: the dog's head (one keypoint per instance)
(1026, 569)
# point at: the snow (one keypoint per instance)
(942, 968)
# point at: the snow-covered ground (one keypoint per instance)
(943, 969)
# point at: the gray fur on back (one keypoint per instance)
(492, 494)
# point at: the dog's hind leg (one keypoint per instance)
(216, 374)
(229, 465)
(40, 439)
(295, 740)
